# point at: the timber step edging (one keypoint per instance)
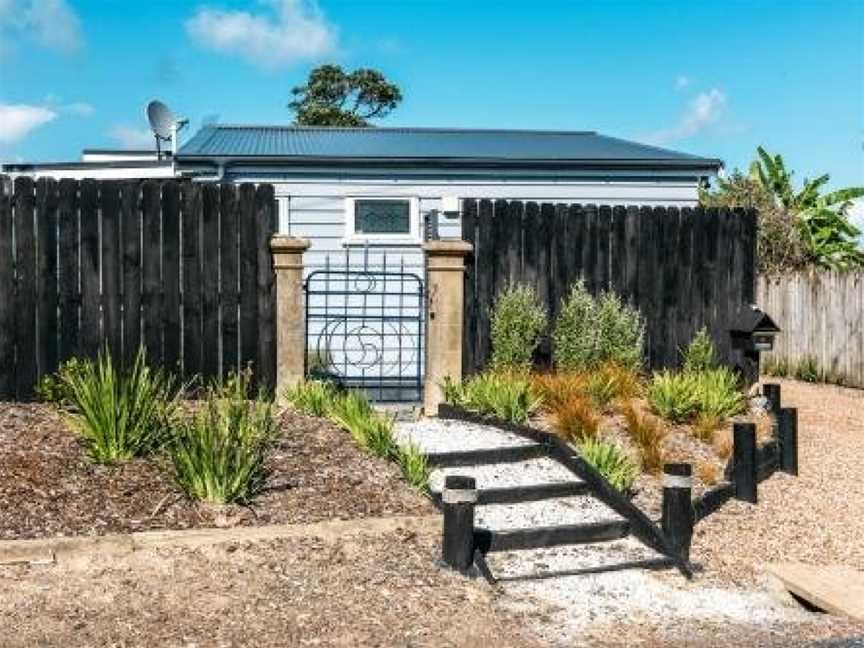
(549, 536)
(522, 494)
(468, 458)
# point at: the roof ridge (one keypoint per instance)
(418, 129)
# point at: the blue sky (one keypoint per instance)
(705, 77)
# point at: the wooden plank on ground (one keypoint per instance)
(834, 588)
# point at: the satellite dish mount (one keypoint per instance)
(164, 125)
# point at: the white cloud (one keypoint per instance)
(131, 137)
(79, 108)
(682, 82)
(288, 32)
(18, 120)
(703, 111)
(51, 23)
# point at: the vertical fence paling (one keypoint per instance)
(821, 315)
(86, 264)
(683, 269)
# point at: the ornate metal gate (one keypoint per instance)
(365, 328)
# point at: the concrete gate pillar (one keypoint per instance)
(290, 310)
(445, 267)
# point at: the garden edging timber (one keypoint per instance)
(57, 549)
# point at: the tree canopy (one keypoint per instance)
(333, 97)
(798, 227)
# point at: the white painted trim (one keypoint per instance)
(412, 238)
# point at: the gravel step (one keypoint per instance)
(441, 435)
(506, 475)
(581, 509)
(548, 562)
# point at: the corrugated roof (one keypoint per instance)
(427, 144)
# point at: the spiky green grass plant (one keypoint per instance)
(507, 396)
(219, 452)
(119, 414)
(415, 467)
(312, 397)
(610, 461)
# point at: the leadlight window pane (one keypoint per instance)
(382, 217)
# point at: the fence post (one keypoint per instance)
(458, 499)
(771, 391)
(678, 516)
(290, 310)
(445, 268)
(788, 440)
(744, 458)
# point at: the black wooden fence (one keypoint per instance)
(683, 268)
(182, 268)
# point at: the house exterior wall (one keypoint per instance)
(316, 208)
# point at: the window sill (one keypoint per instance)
(382, 242)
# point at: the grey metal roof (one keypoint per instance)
(429, 146)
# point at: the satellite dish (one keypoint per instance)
(164, 125)
(161, 119)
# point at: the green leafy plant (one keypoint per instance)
(699, 354)
(518, 320)
(312, 397)
(119, 414)
(503, 395)
(718, 395)
(219, 452)
(610, 461)
(673, 396)
(54, 388)
(415, 467)
(592, 331)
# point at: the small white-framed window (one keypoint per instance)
(393, 220)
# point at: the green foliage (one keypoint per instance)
(119, 414)
(220, 451)
(333, 97)
(312, 397)
(718, 394)
(505, 396)
(681, 396)
(54, 388)
(518, 320)
(673, 395)
(414, 465)
(806, 369)
(798, 228)
(592, 331)
(610, 461)
(699, 354)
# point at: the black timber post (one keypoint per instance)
(771, 391)
(678, 515)
(458, 499)
(744, 458)
(787, 424)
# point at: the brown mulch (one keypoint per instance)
(49, 487)
(359, 591)
(815, 518)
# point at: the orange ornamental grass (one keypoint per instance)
(647, 433)
(602, 386)
(575, 419)
(556, 389)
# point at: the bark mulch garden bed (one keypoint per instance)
(49, 487)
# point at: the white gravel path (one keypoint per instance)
(442, 435)
(580, 509)
(506, 475)
(568, 558)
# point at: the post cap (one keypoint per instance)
(445, 247)
(280, 243)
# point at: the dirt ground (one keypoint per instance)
(817, 517)
(48, 486)
(387, 590)
(361, 591)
